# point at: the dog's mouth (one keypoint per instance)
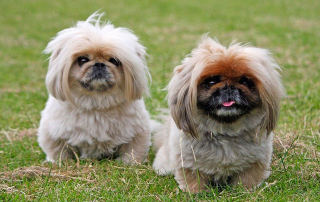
(231, 105)
(97, 84)
(228, 104)
(225, 111)
(228, 112)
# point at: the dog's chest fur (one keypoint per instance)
(97, 132)
(223, 155)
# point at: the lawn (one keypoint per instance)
(169, 29)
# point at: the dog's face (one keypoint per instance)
(96, 72)
(94, 63)
(225, 90)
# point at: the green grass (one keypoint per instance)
(169, 29)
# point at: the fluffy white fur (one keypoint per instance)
(218, 153)
(95, 124)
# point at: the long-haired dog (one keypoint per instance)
(224, 104)
(96, 78)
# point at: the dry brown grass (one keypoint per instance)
(35, 172)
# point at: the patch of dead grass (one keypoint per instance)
(10, 189)
(34, 172)
(286, 140)
(291, 144)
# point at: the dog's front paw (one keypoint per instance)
(161, 168)
(162, 171)
(127, 159)
(193, 190)
(49, 160)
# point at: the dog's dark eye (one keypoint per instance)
(246, 82)
(208, 83)
(82, 59)
(114, 61)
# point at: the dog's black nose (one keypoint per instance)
(229, 93)
(99, 66)
(99, 70)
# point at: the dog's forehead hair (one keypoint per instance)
(230, 68)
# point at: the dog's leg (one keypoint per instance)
(161, 163)
(54, 149)
(191, 181)
(253, 176)
(136, 150)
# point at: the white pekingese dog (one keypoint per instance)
(96, 78)
(224, 104)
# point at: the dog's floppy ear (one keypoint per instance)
(271, 95)
(136, 73)
(270, 86)
(271, 108)
(182, 101)
(58, 70)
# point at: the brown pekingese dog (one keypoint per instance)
(224, 104)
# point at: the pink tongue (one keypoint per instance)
(228, 104)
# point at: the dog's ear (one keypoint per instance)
(58, 70)
(270, 95)
(271, 107)
(136, 73)
(182, 101)
(269, 85)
